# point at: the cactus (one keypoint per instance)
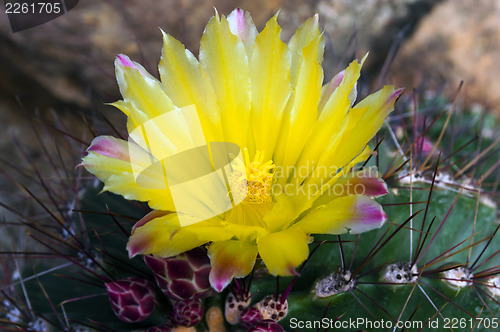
(435, 263)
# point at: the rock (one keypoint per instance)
(459, 40)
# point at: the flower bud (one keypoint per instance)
(189, 312)
(250, 317)
(184, 276)
(132, 299)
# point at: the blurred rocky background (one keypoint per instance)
(68, 62)
(64, 68)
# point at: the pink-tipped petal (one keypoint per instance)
(369, 183)
(369, 186)
(396, 94)
(241, 25)
(110, 147)
(370, 216)
(154, 230)
(336, 80)
(237, 22)
(355, 214)
(136, 247)
(230, 259)
(329, 88)
(125, 61)
(163, 236)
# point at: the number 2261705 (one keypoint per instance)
(462, 323)
(33, 8)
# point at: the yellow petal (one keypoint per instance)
(358, 128)
(230, 259)
(186, 83)
(355, 214)
(270, 77)
(142, 90)
(282, 252)
(305, 34)
(301, 113)
(164, 237)
(329, 122)
(365, 120)
(224, 59)
(331, 97)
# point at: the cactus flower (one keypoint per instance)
(299, 142)
(132, 299)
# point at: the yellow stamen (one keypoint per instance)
(259, 178)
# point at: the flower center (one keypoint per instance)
(251, 183)
(258, 182)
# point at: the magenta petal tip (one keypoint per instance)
(109, 147)
(397, 93)
(374, 187)
(376, 215)
(373, 213)
(133, 248)
(370, 216)
(125, 61)
(219, 283)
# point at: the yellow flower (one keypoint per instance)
(299, 142)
